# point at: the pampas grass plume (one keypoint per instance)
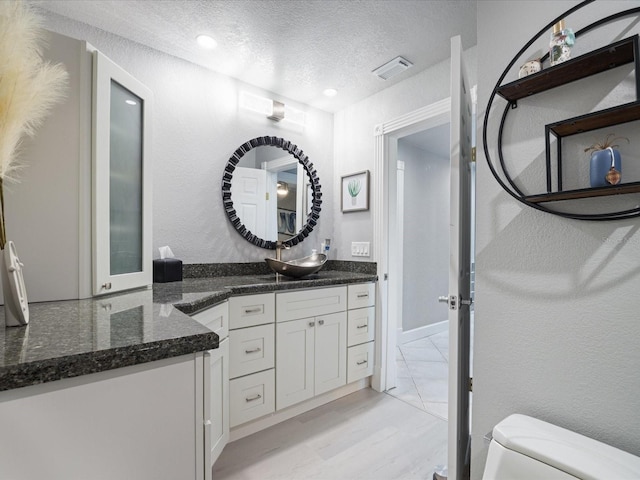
(29, 86)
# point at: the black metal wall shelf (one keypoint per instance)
(585, 193)
(605, 58)
(614, 55)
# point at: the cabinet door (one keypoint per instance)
(121, 180)
(294, 361)
(330, 352)
(219, 399)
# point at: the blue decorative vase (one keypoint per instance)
(606, 167)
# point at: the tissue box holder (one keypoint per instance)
(167, 270)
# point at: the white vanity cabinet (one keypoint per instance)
(361, 331)
(144, 421)
(311, 343)
(216, 318)
(252, 357)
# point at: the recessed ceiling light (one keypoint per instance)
(205, 41)
(330, 92)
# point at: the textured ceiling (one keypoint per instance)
(295, 48)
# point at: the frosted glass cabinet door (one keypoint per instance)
(121, 180)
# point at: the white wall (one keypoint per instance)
(556, 322)
(354, 140)
(425, 236)
(196, 127)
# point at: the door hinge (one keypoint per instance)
(471, 384)
(473, 154)
(266, 195)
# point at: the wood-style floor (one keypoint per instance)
(365, 435)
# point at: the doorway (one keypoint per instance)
(422, 219)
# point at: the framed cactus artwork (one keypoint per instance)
(355, 192)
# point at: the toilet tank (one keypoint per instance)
(527, 448)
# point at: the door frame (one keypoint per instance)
(389, 287)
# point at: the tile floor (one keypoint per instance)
(422, 375)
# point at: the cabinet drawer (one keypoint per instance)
(361, 324)
(251, 350)
(310, 303)
(215, 318)
(251, 397)
(359, 361)
(362, 295)
(251, 310)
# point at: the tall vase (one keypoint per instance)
(605, 167)
(16, 306)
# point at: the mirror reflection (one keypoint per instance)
(271, 192)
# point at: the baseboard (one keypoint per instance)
(254, 426)
(421, 332)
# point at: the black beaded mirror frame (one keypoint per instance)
(227, 202)
(513, 189)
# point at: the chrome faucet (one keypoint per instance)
(279, 247)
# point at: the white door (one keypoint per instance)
(249, 193)
(330, 352)
(459, 266)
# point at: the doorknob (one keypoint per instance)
(443, 299)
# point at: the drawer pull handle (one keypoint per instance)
(253, 310)
(253, 350)
(363, 326)
(312, 324)
(257, 396)
(361, 362)
(363, 295)
(321, 322)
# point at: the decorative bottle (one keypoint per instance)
(562, 39)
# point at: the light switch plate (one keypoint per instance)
(360, 249)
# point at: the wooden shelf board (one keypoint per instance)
(593, 121)
(585, 193)
(600, 60)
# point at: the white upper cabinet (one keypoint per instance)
(122, 245)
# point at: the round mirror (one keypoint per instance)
(271, 192)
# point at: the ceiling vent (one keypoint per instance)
(392, 68)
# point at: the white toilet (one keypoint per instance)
(529, 449)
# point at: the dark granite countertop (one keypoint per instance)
(78, 337)
(194, 294)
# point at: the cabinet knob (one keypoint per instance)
(257, 396)
(321, 322)
(312, 324)
(106, 286)
(253, 350)
(362, 326)
(361, 362)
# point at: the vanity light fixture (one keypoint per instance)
(205, 41)
(330, 92)
(272, 109)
